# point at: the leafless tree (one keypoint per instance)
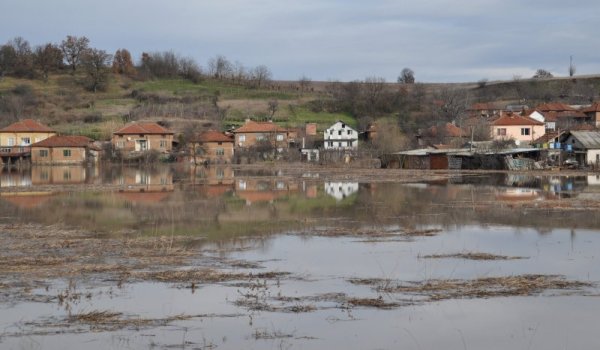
(47, 58)
(73, 49)
(220, 67)
(261, 75)
(304, 83)
(95, 63)
(272, 107)
(239, 73)
(542, 74)
(373, 90)
(571, 67)
(7, 60)
(407, 76)
(190, 70)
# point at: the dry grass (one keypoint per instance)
(378, 303)
(204, 275)
(473, 256)
(521, 285)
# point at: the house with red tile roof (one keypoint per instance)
(564, 116)
(517, 127)
(140, 137)
(23, 133)
(255, 134)
(593, 112)
(211, 147)
(64, 150)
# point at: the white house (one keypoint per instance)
(340, 136)
(341, 190)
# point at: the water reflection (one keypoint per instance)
(223, 200)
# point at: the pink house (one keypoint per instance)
(516, 127)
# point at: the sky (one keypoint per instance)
(440, 40)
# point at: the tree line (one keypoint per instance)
(75, 55)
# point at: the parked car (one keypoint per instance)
(571, 163)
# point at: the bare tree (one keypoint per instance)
(272, 107)
(304, 83)
(96, 63)
(542, 74)
(373, 90)
(190, 70)
(7, 60)
(261, 75)
(407, 76)
(220, 67)
(47, 58)
(22, 65)
(73, 49)
(239, 72)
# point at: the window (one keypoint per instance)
(349, 143)
(343, 125)
(120, 144)
(525, 131)
(242, 138)
(260, 137)
(501, 131)
(330, 143)
(220, 152)
(349, 132)
(67, 175)
(25, 140)
(11, 141)
(279, 137)
(340, 132)
(44, 175)
(43, 153)
(220, 173)
(66, 152)
(330, 131)
(163, 143)
(242, 185)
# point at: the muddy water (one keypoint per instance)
(324, 234)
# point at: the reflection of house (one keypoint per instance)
(15, 179)
(63, 150)
(27, 200)
(145, 180)
(24, 133)
(263, 190)
(257, 134)
(140, 137)
(212, 147)
(213, 175)
(340, 136)
(519, 194)
(518, 128)
(584, 144)
(341, 190)
(56, 175)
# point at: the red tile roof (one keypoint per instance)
(26, 125)
(64, 141)
(515, 119)
(142, 128)
(595, 107)
(555, 107)
(451, 130)
(213, 136)
(252, 126)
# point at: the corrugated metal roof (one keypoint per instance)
(589, 139)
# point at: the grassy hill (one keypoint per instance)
(62, 103)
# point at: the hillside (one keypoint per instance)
(64, 104)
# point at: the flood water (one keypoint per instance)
(317, 230)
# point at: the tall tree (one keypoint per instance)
(7, 60)
(95, 63)
(122, 63)
(47, 58)
(220, 67)
(73, 49)
(23, 58)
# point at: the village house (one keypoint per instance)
(564, 116)
(211, 147)
(23, 133)
(584, 145)
(484, 109)
(64, 150)
(519, 128)
(445, 134)
(261, 134)
(141, 137)
(593, 113)
(340, 136)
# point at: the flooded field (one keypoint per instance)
(246, 258)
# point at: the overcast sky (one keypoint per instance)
(441, 40)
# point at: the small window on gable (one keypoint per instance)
(343, 125)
